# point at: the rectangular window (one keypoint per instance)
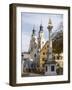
(46, 68)
(52, 68)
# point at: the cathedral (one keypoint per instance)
(36, 48)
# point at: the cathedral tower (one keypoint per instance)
(33, 48)
(41, 43)
(41, 40)
(33, 41)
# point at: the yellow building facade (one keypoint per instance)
(43, 56)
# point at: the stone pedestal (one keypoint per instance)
(50, 69)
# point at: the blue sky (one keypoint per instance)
(28, 20)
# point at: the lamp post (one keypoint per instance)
(50, 65)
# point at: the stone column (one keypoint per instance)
(50, 65)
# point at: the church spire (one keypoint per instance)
(41, 27)
(33, 31)
(41, 40)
